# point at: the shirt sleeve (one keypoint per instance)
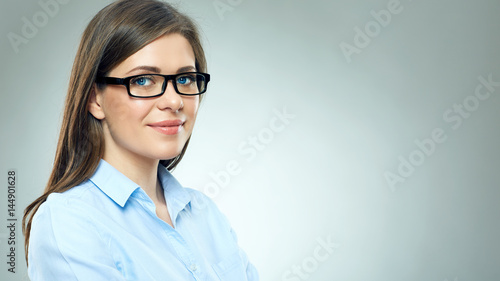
(251, 271)
(203, 202)
(64, 245)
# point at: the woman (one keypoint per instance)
(111, 209)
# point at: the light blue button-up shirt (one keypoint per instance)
(107, 229)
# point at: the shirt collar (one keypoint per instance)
(177, 197)
(119, 188)
(113, 183)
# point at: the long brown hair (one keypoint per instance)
(115, 33)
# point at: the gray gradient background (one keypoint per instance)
(323, 174)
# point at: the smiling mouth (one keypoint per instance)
(168, 127)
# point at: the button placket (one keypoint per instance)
(185, 253)
(193, 267)
(175, 238)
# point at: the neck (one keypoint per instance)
(142, 171)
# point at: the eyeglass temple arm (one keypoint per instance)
(111, 80)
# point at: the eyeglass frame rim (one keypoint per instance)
(125, 81)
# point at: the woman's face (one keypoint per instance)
(148, 128)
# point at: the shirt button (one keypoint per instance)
(193, 267)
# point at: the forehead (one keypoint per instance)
(168, 53)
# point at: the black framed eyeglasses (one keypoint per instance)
(154, 85)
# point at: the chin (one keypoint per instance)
(165, 150)
(167, 156)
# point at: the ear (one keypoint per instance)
(95, 103)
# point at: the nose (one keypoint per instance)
(170, 100)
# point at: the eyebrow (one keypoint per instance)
(186, 69)
(145, 67)
(155, 69)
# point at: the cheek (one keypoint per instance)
(117, 112)
(191, 105)
(120, 110)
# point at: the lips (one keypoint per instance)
(168, 127)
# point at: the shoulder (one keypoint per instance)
(199, 200)
(202, 206)
(197, 195)
(70, 205)
(65, 239)
(64, 220)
